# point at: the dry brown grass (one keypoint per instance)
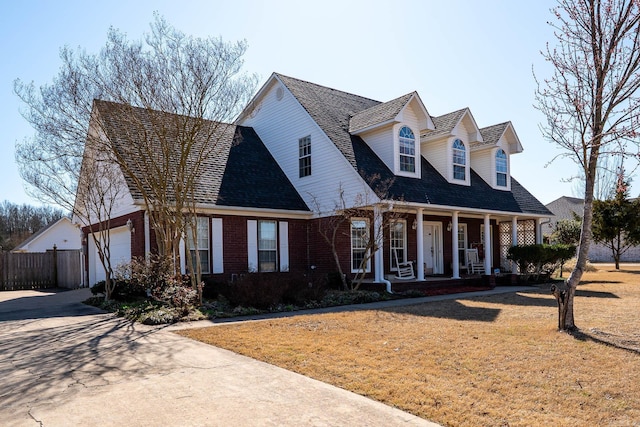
(489, 361)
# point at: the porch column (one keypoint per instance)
(454, 245)
(487, 245)
(514, 240)
(420, 244)
(539, 231)
(378, 256)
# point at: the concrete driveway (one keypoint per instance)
(66, 364)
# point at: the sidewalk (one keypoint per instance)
(342, 308)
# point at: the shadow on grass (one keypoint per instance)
(597, 282)
(595, 294)
(449, 309)
(607, 339)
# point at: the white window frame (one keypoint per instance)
(462, 245)
(304, 156)
(262, 241)
(402, 258)
(499, 172)
(403, 144)
(202, 244)
(366, 252)
(455, 153)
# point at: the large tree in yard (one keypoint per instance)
(170, 96)
(591, 102)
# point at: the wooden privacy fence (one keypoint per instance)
(40, 270)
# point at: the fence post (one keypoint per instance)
(55, 266)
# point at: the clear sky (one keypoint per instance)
(455, 53)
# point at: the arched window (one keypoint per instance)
(501, 168)
(407, 150)
(459, 160)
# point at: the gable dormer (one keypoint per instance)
(392, 129)
(491, 159)
(448, 146)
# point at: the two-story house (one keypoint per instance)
(304, 146)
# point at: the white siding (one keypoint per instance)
(280, 124)
(484, 163)
(382, 142)
(63, 234)
(436, 152)
(481, 162)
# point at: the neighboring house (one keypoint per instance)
(300, 146)
(61, 233)
(564, 208)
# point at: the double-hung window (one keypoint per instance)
(304, 153)
(359, 243)
(501, 168)
(267, 246)
(199, 247)
(398, 239)
(407, 141)
(459, 160)
(462, 244)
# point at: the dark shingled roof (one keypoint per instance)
(379, 114)
(332, 110)
(239, 172)
(444, 124)
(491, 134)
(432, 188)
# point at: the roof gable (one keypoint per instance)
(389, 112)
(501, 133)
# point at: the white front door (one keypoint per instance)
(432, 238)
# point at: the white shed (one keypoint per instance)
(62, 233)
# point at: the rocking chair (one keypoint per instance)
(405, 269)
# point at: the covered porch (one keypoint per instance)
(443, 244)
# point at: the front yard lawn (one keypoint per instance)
(484, 361)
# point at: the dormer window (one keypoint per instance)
(407, 150)
(459, 160)
(501, 168)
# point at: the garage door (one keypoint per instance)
(120, 246)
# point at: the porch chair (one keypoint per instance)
(474, 265)
(405, 269)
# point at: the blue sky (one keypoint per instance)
(454, 53)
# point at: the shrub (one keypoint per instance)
(259, 290)
(539, 260)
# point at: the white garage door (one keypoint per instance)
(120, 246)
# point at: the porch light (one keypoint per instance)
(449, 226)
(414, 225)
(130, 226)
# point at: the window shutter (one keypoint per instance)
(284, 245)
(252, 245)
(216, 232)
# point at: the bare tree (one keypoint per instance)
(606, 178)
(591, 101)
(165, 102)
(337, 224)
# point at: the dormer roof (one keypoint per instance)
(446, 124)
(388, 112)
(492, 135)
